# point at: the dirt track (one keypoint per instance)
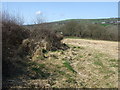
(107, 47)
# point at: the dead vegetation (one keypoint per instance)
(38, 59)
(12, 37)
(109, 47)
(76, 67)
(22, 46)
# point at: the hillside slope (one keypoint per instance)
(101, 29)
(108, 47)
(86, 64)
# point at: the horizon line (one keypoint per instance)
(74, 19)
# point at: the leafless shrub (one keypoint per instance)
(12, 36)
(53, 39)
(8, 18)
(18, 43)
(87, 30)
(39, 19)
(112, 32)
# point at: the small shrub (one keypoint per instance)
(44, 51)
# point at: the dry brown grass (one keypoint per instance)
(108, 47)
(94, 68)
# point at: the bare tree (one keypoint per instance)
(39, 19)
(8, 17)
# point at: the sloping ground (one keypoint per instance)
(86, 64)
(98, 63)
(107, 47)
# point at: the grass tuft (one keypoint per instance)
(68, 66)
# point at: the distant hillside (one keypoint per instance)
(107, 20)
(89, 20)
(101, 29)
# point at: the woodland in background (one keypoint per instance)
(89, 30)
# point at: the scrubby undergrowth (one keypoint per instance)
(38, 59)
(22, 46)
(76, 67)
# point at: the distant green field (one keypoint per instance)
(81, 21)
(105, 24)
(88, 20)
